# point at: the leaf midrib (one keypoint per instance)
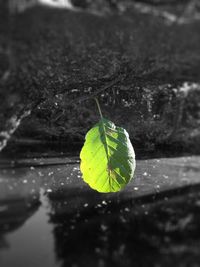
(105, 143)
(106, 149)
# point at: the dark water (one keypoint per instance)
(49, 217)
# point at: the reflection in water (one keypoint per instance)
(126, 233)
(97, 234)
(32, 244)
(49, 217)
(13, 215)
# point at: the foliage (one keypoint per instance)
(107, 157)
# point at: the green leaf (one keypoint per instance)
(107, 157)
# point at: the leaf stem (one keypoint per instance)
(98, 106)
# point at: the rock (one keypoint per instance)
(145, 69)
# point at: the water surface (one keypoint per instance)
(50, 217)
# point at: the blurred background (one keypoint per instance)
(141, 58)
